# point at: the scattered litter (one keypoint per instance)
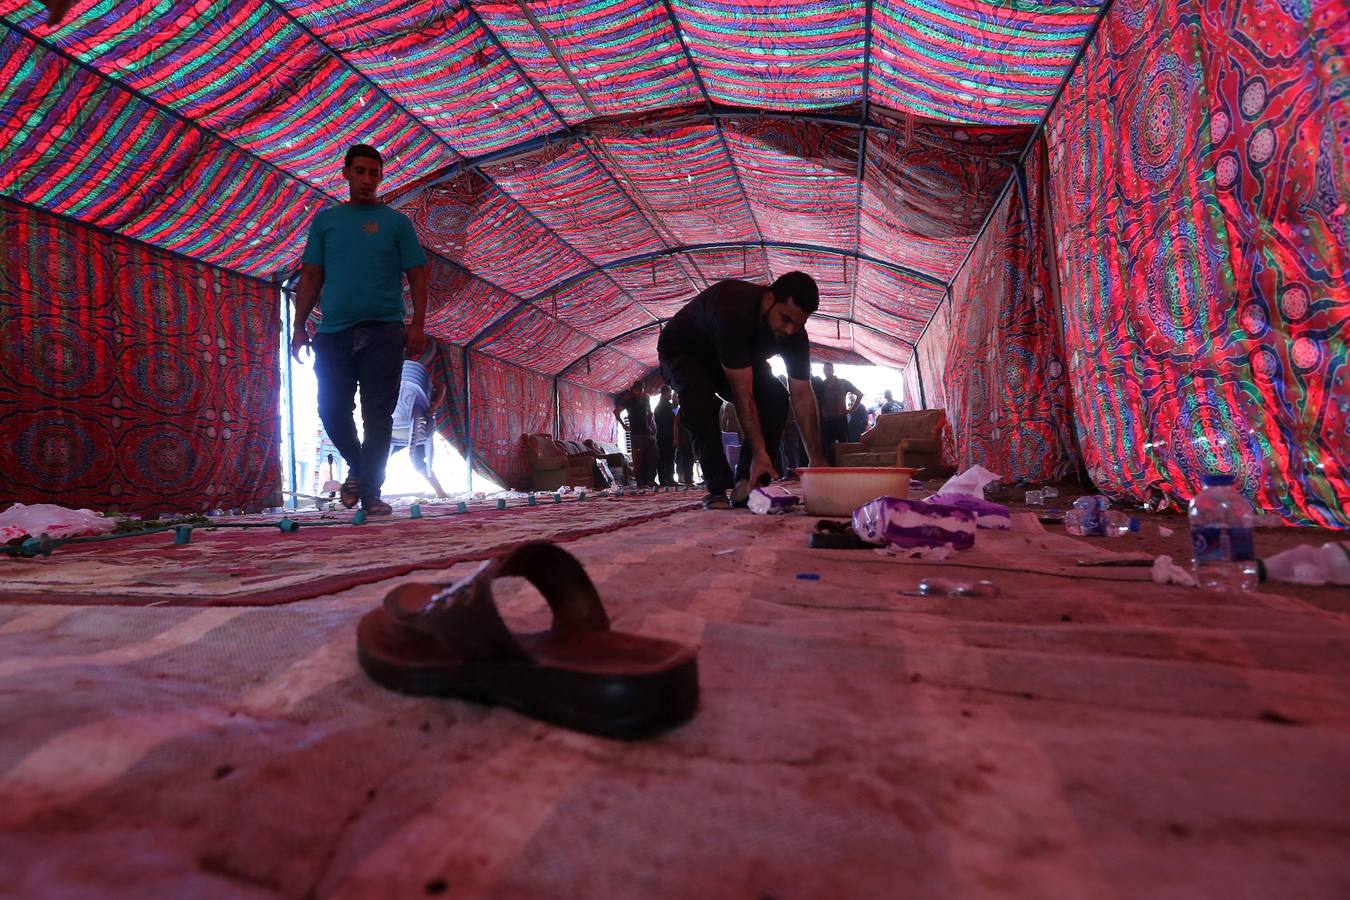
(909, 524)
(941, 587)
(20, 521)
(772, 500)
(1313, 566)
(972, 482)
(987, 514)
(1166, 571)
(724, 552)
(1165, 532)
(808, 576)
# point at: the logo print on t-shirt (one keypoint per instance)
(371, 227)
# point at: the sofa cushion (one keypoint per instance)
(542, 446)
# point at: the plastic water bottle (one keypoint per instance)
(1222, 553)
(1090, 521)
(1118, 524)
(1093, 517)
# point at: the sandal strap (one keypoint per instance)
(464, 617)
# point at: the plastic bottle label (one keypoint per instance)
(1217, 544)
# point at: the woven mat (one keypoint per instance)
(261, 567)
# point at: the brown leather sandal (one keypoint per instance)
(350, 493)
(452, 642)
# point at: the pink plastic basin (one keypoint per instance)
(839, 491)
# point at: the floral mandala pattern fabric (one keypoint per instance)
(1205, 252)
(131, 379)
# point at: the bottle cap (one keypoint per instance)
(1216, 480)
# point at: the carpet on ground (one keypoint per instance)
(263, 566)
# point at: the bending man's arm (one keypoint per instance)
(808, 419)
(306, 297)
(742, 383)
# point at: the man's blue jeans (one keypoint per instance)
(369, 355)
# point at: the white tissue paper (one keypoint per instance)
(1311, 565)
(971, 482)
(1165, 571)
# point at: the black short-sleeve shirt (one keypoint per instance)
(639, 414)
(723, 325)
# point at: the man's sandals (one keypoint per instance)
(374, 506)
(350, 492)
(452, 642)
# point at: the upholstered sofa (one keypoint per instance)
(555, 463)
(619, 466)
(910, 439)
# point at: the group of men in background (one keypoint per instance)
(714, 349)
(660, 445)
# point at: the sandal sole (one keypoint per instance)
(626, 706)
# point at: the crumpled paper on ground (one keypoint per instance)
(1165, 571)
(21, 521)
(1313, 566)
(971, 482)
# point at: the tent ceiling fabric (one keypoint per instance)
(578, 169)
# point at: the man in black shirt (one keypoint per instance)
(641, 431)
(838, 399)
(664, 416)
(720, 344)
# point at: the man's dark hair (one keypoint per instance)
(365, 150)
(638, 385)
(801, 288)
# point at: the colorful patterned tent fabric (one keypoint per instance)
(116, 394)
(578, 169)
(1203, 240)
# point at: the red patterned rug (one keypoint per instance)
(263, 566)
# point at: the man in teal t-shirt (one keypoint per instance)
(358, 253)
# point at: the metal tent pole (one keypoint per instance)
(557, 412)
(468, 421)
(290, 501)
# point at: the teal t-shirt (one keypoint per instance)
(364, 251)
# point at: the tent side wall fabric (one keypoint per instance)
(585, 413)
(1200, 164)
(132, 379)
(1002, 371)
(507, 402)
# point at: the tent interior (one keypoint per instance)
(1111, 240)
